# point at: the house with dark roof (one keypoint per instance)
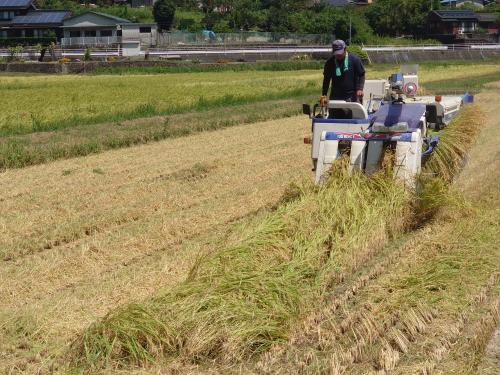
(21, 19)
(488, 22)
(452, 26)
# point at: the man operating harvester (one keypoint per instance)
(346, 72)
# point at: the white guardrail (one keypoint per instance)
(238, 51)
(436, 47)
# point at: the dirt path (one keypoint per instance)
(81, 236)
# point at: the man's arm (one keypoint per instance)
(327, 77)
(359, 70)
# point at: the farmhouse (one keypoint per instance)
(93, 28)
(21, 19)
(451, 26)
(488, 22)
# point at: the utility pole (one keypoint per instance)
(350, 28)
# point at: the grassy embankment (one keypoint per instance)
(239, 301)
(47, 118)
(190, 67)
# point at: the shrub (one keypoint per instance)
(14, 52)
(357, 50)
(303, 57)
(87, 56)
(164, 13)
(64, 60)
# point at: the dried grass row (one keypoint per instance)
(239, 301)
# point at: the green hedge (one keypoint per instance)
(357, 50)
(12, 42)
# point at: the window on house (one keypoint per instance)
(74, 34)
(118, 33)
(6, 15)
(106, 32)
(144, 30)
(90, 33)
(29, 33)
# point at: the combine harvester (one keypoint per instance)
(393, 117)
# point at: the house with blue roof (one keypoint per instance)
(21, 19)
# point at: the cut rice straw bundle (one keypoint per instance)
(245, 297)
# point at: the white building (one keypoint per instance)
(99, 29)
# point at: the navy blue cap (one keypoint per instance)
(338, 47)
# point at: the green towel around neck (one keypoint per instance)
(338, 73)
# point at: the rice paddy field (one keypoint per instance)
(187, 237)
(50, 102)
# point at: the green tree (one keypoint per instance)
(334, 22)
(281, 12)
(246, 15)
(163, 13)
(395, 17)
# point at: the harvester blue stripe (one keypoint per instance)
(339, 121)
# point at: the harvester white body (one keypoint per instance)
(391, 116)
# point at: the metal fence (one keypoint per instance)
(243, 38)
(34, 53)
(431, 47)
(91, 41)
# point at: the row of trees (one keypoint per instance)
(384, 17)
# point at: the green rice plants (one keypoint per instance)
(66, 101)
